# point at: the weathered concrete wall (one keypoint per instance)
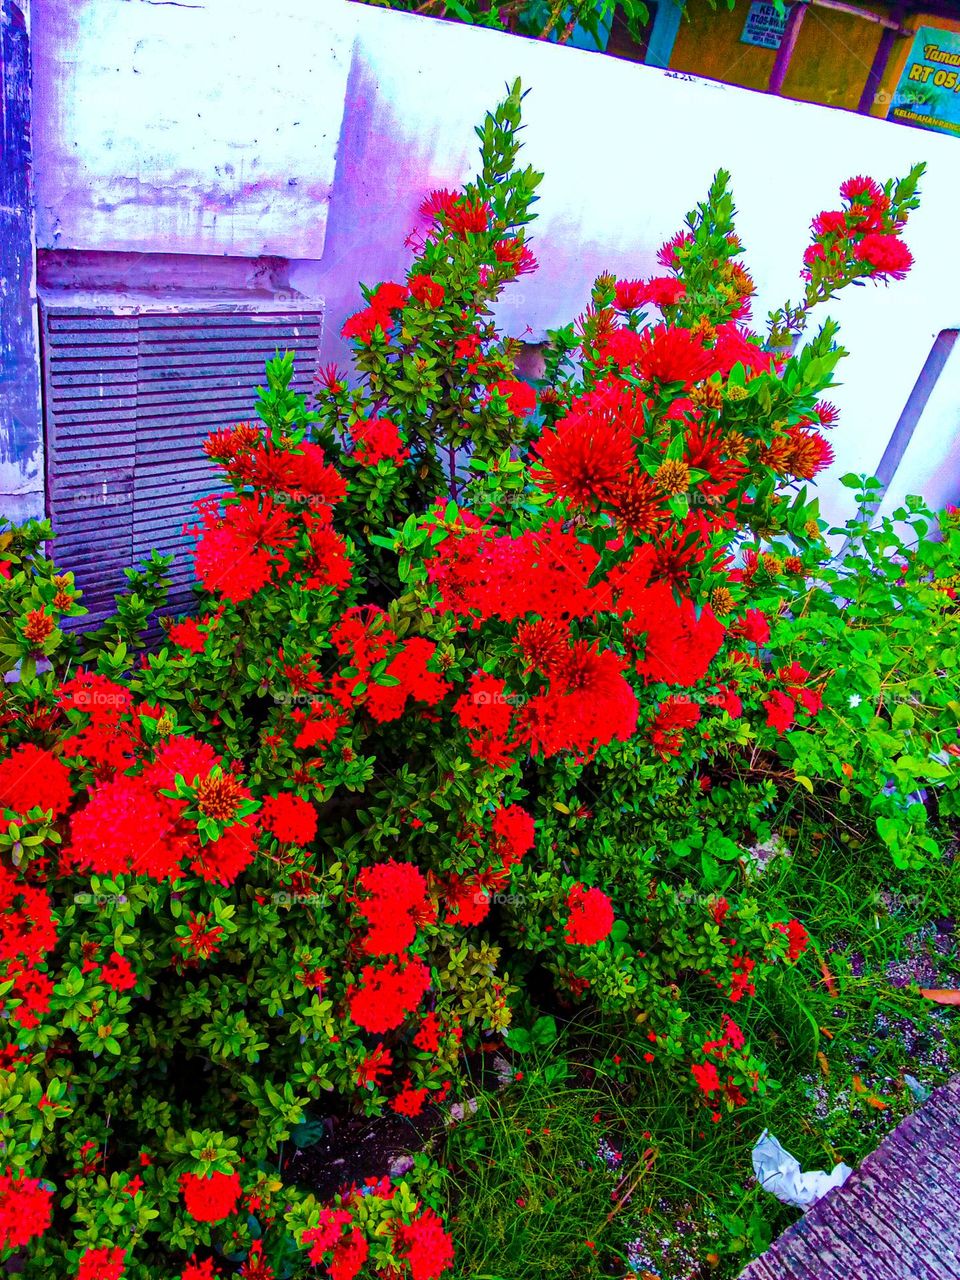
(365, 110)
(21, 439)
(207, 126)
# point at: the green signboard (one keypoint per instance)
(928, 95)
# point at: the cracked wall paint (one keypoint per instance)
(176, 128)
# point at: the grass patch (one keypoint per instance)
(589, 1164)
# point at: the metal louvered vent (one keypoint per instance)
(129, 399)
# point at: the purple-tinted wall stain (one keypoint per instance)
(383, 172)
(366, 231)
(21, 483)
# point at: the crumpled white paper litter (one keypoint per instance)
(779, 1172)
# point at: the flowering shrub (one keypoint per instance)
(884, 754)
(532, 17)
(461, 716)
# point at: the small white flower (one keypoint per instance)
(855, 699)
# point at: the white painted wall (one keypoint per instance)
(144, 106)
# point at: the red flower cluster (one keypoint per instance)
(377, 440)
(289, 818)
(797, 939)
(378, 314)
(410, 1101)
(426, 290)
(104, 1263)
(863, 238)
(680, 646)
(591, 916)
(467, 217)
(239, 549)
(118, 973)
(666, 733)
(187, 635)
(486, 711)
(32, 778)
(520, 396)
(717, 1052)
(658, 291)
(348, 1248)
(130, 825)
(210, 1197)
(397, 902)
(26, 1209)
(513, 834)
(386, 996)
(27, 929)
(587, 704)
(195, 1270)
(425, 1245)
(415, 682)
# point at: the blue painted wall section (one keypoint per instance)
(666, 24)
(21, 430)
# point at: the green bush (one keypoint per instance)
(465, 725)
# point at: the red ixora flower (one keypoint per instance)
(706, 1077)
(591, 916)
(437, 203)
(887, 255)
(680, 645)
(588, 454)
(465, 217)
(513, 833)
(195, 1270)
(797, 938)
(324, 1237)
(32, 778)
(862, 190)
(255, 1266)
(426, 290)
(386, 996)
(288, 817)
(588, 703)
(25, 1209)
(409, 1101)
(238, 551)
(675, 715)
(780, 709)
(105, 1263)
(673, 354)
(377, 440)
(397, 900)
(426, 1246)
(520, 396)
(187, 635)
(210, 1197)
(349, 1254)
(118, 973)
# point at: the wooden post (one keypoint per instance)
(21, 429)
(787, 46)
(878, 67)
